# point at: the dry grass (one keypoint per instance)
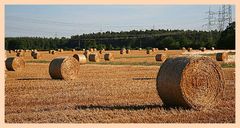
(126, 95)
(119, 93)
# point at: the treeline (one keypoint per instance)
(172, 39)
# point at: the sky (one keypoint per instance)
(67, 20)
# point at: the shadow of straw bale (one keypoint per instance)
(117, 107)
(144, 78)
(34, 79)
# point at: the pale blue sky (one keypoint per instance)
(67, 20)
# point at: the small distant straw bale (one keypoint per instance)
(160, 57)
(222, 56)
(14, 63)
(36, 55)
(108, 57)
(128, 51)
(123, 51)
(80, 58)
(66, 68)
(87, 53)
(94, 57)
(189, 49)
(20, 54)
(149, 51)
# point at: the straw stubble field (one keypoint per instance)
(102, 93)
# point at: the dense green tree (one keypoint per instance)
(172, 39)
(227, 39)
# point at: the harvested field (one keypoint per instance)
(103, 93)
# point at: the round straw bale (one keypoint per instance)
(165, 49)
(20, 54)
(66, 68)
(160, 57)
(36, 55)
(189, 49)
(153, 49)
(87, 53)
(94, 57)
(140, 49)
(50, 51)
(83, 49)
(190, 82)
(101, 51)
(53, 51)
(108, 57)
(222, 56)
(202, 49)
(14, 63)
(212, 48)
(183, 48)
(94, 49)
(91, 49)
(32, 53)
(149, 51)
(61, 50)
(128, 51)
(73, 50)
(80, 58)
(123, 51)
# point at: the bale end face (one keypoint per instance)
(190, 82)
(66, 68)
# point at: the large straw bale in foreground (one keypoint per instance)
(160, 57)
(66, 68)
(108, 57)
(191, 82)
(14, 63)
(222, 56)
(94, 57)
(80, 58)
